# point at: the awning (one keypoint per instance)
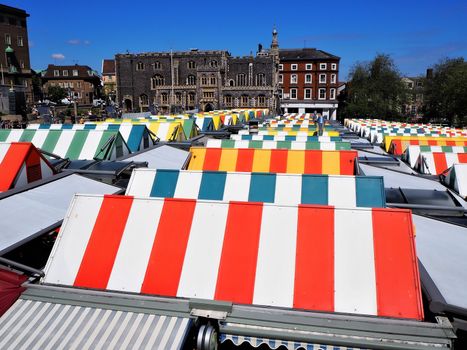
(456, 179)
(412, 153)
(298, 145)
(21, 163)
(162, 157)
(352, 260)
(30, 211)
(57, 324)
(273, 160)
(435, 163)
(343, 191)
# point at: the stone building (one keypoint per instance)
(81, 82)
(15, 66)
(109, 79)
(196, 79)
(414, 105)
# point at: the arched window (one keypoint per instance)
(244, 100)
(213, 63)
(191, 98)
(231, 82)
(157, 80)
(191, 80)
(260, 79)
(212, 80)
(164, 98)
(204, 80)
(140, 66)
(261, 101)
(143, 100)
(241, 80)
(191, 64)
(157, 65)
(228, 100)
(178, 98)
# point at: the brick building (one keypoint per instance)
(186, 80)
(81, 82)
(415, 101)
(15, 66)
(109, 78)
(308, 81)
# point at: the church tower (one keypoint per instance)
(274, 45)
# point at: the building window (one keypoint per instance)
(308, 79)
(244, 100)
(228, 100)
(281, 78)
(164, 98)
(261, 101)
(333, 78)
(307, 94)
(293, 79)
(157, 65)
(75, 72)
(191, 64)
(157, 80)
(212, 80)
(20, 41)
(293, 94)
(178, 98)
(294, 66)
(208, 95)
(309, 66)
(332, 94)
(8, 39)
(322, 66)
(231, 82)
(21, 64)
(241, 80)
(334, 66)
(213, 63)
(140, 66)
(204, 80)
(65, 73)
(70, 84)
(56, 73)
(322, 94)
(191, 80)
(281, 67)
(322, 78)
(260, 79)
(191, 98)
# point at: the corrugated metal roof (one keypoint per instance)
(32, 324)
(38, 207)
(343, 191)
(163, 157)
(354, 260)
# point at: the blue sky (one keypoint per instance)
(416, 33)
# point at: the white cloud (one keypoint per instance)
(58, 56)
(87, 42)
(74, 42)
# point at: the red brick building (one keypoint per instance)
(308, 81)
(81, 82)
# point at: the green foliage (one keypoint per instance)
(445, 92)
(375, 89)
(56, 93)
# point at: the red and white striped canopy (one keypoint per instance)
(354, 260)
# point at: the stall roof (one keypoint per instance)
(346, 191)
(299, 145)
(52, 319)
(456, 178)
(161, 157)
(37, 207)
(273, 160)
(435, 163)
(254, 137)
(159, 246)
(21, 163)
(441, 248)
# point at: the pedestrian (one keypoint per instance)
(320, 124)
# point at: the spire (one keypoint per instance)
(275, 43)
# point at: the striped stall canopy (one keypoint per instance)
(72, 144)
(435, 163)
(352, 260)
(137, 137)
(273, 160)
(398, 144)
(412, 153)
(21, 163)
(254, 137)
(343, 191)
(328, 146)
(291, 132)
(456, 178)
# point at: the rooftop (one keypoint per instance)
(305, 54)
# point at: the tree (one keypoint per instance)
(445, 92)
(375, 89)
(56, 93)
